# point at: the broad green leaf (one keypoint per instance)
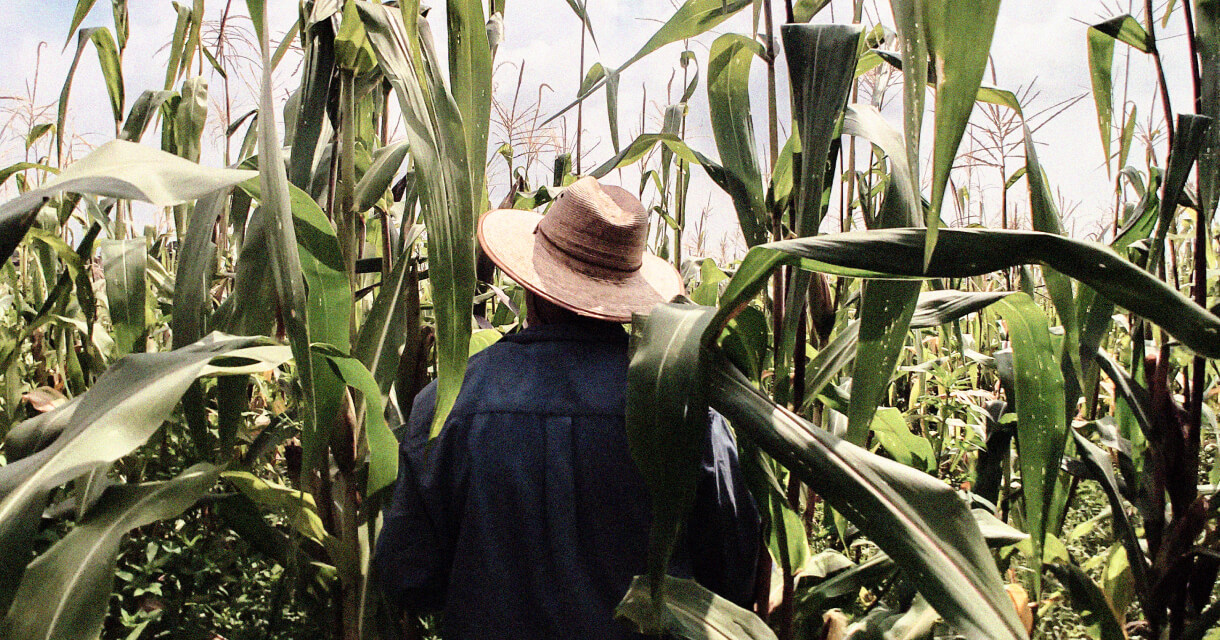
(196, 264)
(112, 74)
(1044, 216)
(959, 36)
(1207, 43)
(317, 73)
(438, 147)
(886, 307)
(916, 519)
(667, 420)
(124, 264)
(1101, 65)
(297, 505)
(1088, 600)
(286, 267)
(83, 7)
(373, 184)
(728, 97)
(895, 436)
(117, 169)
(143, 110)
(381, 443)
(912, 37)
(805, 10)
(122, 409)
(65, 592)
(1126, 29)
(190, 117)
(1189, 136)
(892, 253)
(821, 67)
(1041, 416)
(385, 325)
(470, 79)
(37, 132)
(687, 610)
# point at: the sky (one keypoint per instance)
(1038, 44)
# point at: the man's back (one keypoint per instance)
(526, 517)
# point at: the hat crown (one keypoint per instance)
(601, 226)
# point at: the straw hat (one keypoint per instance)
(586, 254)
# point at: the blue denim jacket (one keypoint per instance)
(526, 517)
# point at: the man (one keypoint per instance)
(526, 517)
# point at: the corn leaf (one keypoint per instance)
(122, 409)
(892, 253)
(667, 420)
(959, 34)
(914, 518)
(687, 610)
(438, 147)
(66, 590)
(470, 78)
(1041, 416)
(728, 98)
(124, 263)
(117, 169)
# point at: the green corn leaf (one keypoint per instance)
(112, 74)
(886, 306)
(687, 610)
(124, 263)
(1044, 216)
(297, 505)
(117, 169)
(821, 67)
(1207, 43)
(438, 147)
(1126, 29)
(1101, 64)
(891, 253)
(895, 436)
(143, 110)
(728, 98)
(959, 34)
(1189, 136)
(914, 518)
(66, 590)
(373, 184)
(385, 326)
(123, 408)
(380, 441)
(83, 7)
(321, 394)
(667, 420)
(909, 21)
(1041, 416)
(317, 71)
(470, 79)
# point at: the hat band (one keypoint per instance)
(579, 263)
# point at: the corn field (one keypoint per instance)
(953, 426)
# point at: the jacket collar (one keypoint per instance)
(583, 330)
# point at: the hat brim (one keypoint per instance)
(508, 238)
